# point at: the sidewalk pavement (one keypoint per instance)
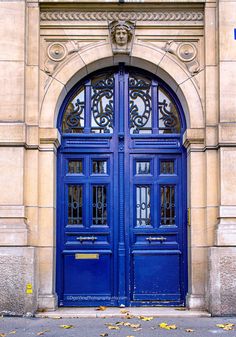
(134, 323)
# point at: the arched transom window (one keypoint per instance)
(94, 105)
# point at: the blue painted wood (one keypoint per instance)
(140, 262)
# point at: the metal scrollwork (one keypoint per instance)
(72, 121)
(168, 117)
(140, 104)
(102, 105)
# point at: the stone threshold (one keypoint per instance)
(92, 312)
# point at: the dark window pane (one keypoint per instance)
(99, 166)
(167, 205)
(102, 104)
(73, 119)
(75, 166)
(140, 105)
(142, 167)
(99, 205)
(168, 114)
(167, 167)
(75, 203)
(143, 210)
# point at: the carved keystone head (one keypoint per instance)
(121, 36)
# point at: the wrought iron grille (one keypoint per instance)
(99, 205)
(167, 205)
(96, 105)
(143, 206)
(75, 205)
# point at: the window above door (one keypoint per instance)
(95, 105)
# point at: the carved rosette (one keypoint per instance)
(57, 52)
(186, 52)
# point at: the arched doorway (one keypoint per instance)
(121, 224)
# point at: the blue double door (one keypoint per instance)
(121, 233)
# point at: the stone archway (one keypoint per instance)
(176, 76)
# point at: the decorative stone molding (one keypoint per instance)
(186, 52)
(58, 52)
(121, 33)
(193, 137)
(162, 15)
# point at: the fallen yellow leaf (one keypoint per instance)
(164, 325)
(227, 326)
(124, 311)
(2, 334)
(113, 327)
(173, 327)
(144, 318)
(11, 332)
(128, 316)
(189, 330)
(101, 308)
(120, 323)
(126, 324)
(138, 329)
(104, 334)
(57, 317)
(66, 326)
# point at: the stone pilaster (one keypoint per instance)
(222, 267)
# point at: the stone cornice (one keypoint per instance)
(186, 15)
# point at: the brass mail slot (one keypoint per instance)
(86, 256)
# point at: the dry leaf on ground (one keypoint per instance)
(128, 316)
(189, 330)
(101, 308)
(226, 326)
(164, 325)
(104, 334)
(145, 318)
(113, 327)
(12, 332)
(66, 326)
(124, 311)
(2, 335)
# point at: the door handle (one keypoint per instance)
(87, 238)
(151, 238)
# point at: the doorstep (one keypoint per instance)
(91, 312)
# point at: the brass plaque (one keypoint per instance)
(86, 256)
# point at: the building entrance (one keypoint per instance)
(121, 224)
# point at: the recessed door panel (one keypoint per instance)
(156, 276)
(87, 276)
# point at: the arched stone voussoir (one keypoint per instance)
(142, 56)
(176, 76)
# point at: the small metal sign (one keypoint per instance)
(86, 256)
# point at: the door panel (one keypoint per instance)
(87, 276)
(121, 193)
(156, 275)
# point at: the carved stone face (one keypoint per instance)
(121, 36)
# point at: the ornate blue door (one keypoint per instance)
(121, 220)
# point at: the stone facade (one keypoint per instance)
(47, 47)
